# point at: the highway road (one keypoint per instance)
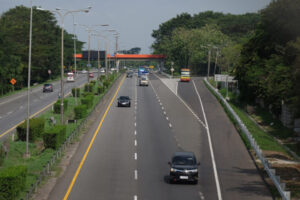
(13, 108)
(125, 154)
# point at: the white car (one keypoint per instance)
(84, 71)
(144, 81)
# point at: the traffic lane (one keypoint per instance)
(185, 91)
(238, 174)
(108, 172)
(156, 145)
(190, 135)
(18, 112)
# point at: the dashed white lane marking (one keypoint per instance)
(167, 118)
(135, 174)
(135, 197)
(170, 125)
(135, 124)
(135, 156)
(135, 143)
(160, 103)
(165, 112)
(0, 117)
(210, 146)
(201, 196)
(162, 108)
(134, 132)
(9, 112)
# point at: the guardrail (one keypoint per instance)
(286, 195)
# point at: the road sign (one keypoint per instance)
(13, 81)
(224, 78)
(151, 67)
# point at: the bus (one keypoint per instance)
(142, 71)
(70, 77)
(185, 75)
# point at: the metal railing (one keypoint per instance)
(286, 195)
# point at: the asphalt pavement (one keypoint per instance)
(13, 108)
(126, 156)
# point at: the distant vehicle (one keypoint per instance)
(142, 71)
(124, 101)
(184, 167)
(91, 74)
(70, 77)
(185, 75)
(102, 70)
(113, 69)
(84, 71)
(144, 81)
(48, 87)
(129, 75)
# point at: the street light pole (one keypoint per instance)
(74, 35)
(27, 154)
(62, 16)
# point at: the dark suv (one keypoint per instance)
(184, 167)
(48, 87)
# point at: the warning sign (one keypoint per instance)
(13, 81)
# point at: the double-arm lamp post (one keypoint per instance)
(62, 17)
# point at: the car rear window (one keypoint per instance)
(124, 98)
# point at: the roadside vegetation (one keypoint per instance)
(17, 173)
(14, 40)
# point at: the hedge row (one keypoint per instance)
(12, 182)
(57, 106)
(88, 101)
(36, 129)
(80, 111)
(2, 154)
(54, 137)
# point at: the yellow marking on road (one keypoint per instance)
(91, 143)
(33, 115)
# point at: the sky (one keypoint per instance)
(134, 20)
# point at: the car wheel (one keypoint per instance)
(129, 105)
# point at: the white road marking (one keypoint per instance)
(135, 174)
(135, 197)
(160, 103)
(134, 132)
(9, 112)
(170, 125)
(21, 107)
(210, 146)
(201, 196)
(162, 108)
(0, 117)
(135, 143)
(165, 112)
(135, 156)
(167, 118)
(135, 124)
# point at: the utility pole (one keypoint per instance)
(217, 54)
(208, 66)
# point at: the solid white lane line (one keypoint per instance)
(135, 174)
(210, 146)
(135, 197)
(135, 156)
(135, 143)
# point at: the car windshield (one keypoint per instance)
(144, 78)
(124, 98)
(183, 160)
(47, 85)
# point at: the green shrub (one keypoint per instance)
(86, 87)
(80, 111)
(36, 129)
(2, 154)
(12, 181)
(77, 92)
(100, 89)
(88, 101)
(54, 137)
(102, 77)
(93, 82)
(85, 94)
(106, 83)
(57, 106)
